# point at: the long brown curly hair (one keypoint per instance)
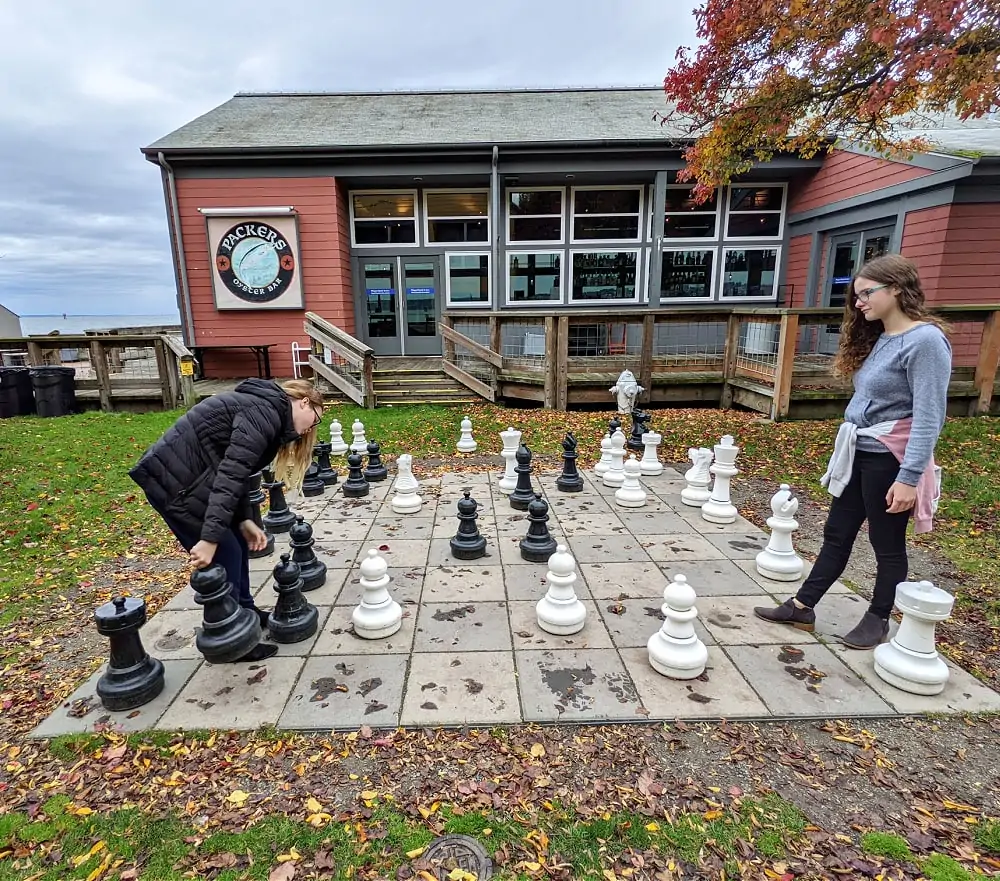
(294, 458)
(858, 335)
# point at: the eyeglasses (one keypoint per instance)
(319, 417)
(865, 295)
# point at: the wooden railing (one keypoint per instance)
(776, 361)
(346, 363)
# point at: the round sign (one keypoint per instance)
(255, 262)
(449, 852)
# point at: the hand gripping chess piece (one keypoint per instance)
(698, 477)
(631, 494)
(312, 570)
(360, 443)
(378, 615)
(406, 500)
(778, 561)
(570, 480)
(627, 391)
(910, 660)
(466, 443)
(523, 493)
(133, 678)
(338, 446)
(228, 630)
(615, 475)
(538, 545)
(467, 543)
(560, 611)
(650, 464)
(719, 508)
(292, 619)
(511, 439)
(675, 650)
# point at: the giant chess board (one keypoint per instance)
(470, 651)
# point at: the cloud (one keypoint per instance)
(83, 86)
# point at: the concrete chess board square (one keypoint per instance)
(469, 649)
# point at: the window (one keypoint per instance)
(686, 275)
(534, 216)
(455, 216)
(534, 278)
(386, 218)
(605, 275)
(755, 211)
(608, 214)
(684, 219)
(468, 281)
(750, 272)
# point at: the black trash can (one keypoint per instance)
(16, 398)
(55, 390)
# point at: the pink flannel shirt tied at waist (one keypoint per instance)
(893, 435)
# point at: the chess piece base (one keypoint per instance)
(654, 469)
(280, 521)
(613, 478)
(230, 640)
(909, 671)
(560, 619)
(718, 512)
(777, 575)
(537, 552)
(677, 659)
(354, 492)
(570, 485)
(520, 503)
(374, 475)
(407, 504)
(695, 497)
(267, 550)
(377, 623)
(634, 499)
(469, 550)
(298, 628)
(129, 687)
(313, 574)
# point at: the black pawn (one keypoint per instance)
(538, 545)
(229, 631)
(355, 486)
(257, 497)
(523, 492)
(467, 544)
(640, 425)
(133, 678)
(311, 569)
(327, 474)
(278, 517)
(376, 470)
(570, 480)
(293, 619)
(311, 483)
(614, 425)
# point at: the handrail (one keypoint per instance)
(355, 377)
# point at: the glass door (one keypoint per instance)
(379, 313)
(421, 305)
(398, 304)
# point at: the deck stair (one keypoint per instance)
(401, 381)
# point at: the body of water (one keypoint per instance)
(70, 324)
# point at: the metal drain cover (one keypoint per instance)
(458, 852)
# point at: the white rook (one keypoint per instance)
(778, 561)
(650, 463)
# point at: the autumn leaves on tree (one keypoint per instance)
(794, 75)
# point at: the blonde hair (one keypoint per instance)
(294, 458)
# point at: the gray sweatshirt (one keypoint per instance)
(906, 374)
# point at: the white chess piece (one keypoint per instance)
(466, 443)
(696, 493)
(631, 494)
(675, 649)
(601, 468)
(719, 507)
(338, 446)
(406, 500)
(650, 463)
(378, 615)
(778, 561)
(615, 475)
(560, 611)
(360, 443)
(511, 441)
(910, 660)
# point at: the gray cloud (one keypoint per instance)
(84, 85)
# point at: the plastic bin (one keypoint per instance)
(55, 390)
(16, 398)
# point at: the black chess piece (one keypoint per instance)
(133, 678)
(256, 496)
(229, 631)
(311, 483)
(523, 492)
(614, 425)
(640, 425)
(279, 518)
(355, 486)
(570, 480)
(467, 544)
(538, 545)
(311, 569)
(375, 470)
(293, 619)
(327, 474)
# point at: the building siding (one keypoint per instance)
(797, 270)
(324, 261)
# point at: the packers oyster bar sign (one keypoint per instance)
(255, 262)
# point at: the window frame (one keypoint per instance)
(754, 247)
(588, 243)
(782, 214)
(637, 298)
(534, 304)
(714, 291)
(449, 304)
(427, 217)
(525, 243)
(723, 193)
(388, 191)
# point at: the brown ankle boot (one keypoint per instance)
(788, 613)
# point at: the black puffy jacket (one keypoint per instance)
(197, 471)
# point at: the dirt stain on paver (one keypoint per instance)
(428, 705)
(655, 612)
(172, 641)
(368, 686)
(374, 707)
(324, 687)
(451, 615)
(472, 686)
(720, 619)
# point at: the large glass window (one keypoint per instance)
(605, 275)
(683, 218)
(749, 272)
(535, 216)
(610, 215)
(755, 212)
(384, 218)
(534, 278)
(468, 279)
(686, 275)
(454, 216)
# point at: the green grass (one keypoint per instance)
(939, 867)
(883, 844)
(988, 836)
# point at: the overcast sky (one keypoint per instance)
(83, 85)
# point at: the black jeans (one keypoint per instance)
(863, 498)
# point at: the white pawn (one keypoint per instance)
(650, 463)
(601, 468)
(511, 441)
(406, 500)
(778, 561)
(719, 507)
(378, 615)
(466, 443)
(696, 493)
(631, 494)
(615, 475)
(910, 660)
(338, 446)
(675, 649)
(360, 442)
(560, 611)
